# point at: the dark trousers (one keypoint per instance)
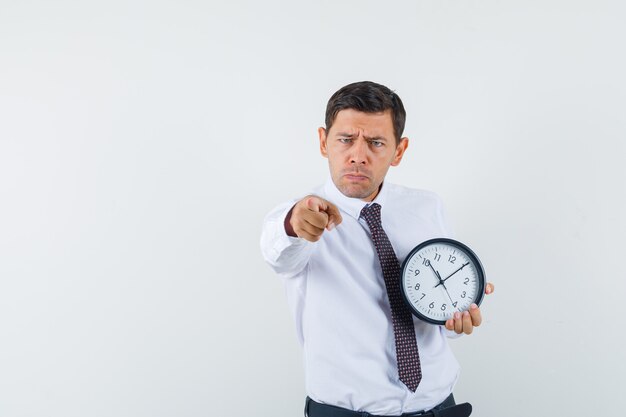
(314, 409)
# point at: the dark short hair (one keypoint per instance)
(367, 97)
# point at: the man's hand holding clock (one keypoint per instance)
(466, 321)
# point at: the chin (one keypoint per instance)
(353, 191)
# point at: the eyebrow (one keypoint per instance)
(369, 138)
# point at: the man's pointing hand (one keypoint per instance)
(310, 216)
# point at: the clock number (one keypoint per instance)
(451, 259)
(417, 272)
(432, 305)
(443, 307)
(437, 257)
(423, 295)
(454, 304)
(466, 281)
(463, 295)
(426, 262)
(417, 286)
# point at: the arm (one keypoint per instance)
(290, 230)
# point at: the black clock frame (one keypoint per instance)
(463, 248)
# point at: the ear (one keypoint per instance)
(323, 143)
(404, 143)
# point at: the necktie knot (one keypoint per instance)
(371, 214)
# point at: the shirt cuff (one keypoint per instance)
(450, 334)
(278, 236)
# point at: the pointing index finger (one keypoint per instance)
(315, 204)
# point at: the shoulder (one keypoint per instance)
(406, 195)
(423, 206)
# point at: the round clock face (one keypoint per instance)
(440, 277)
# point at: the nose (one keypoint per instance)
(358, 153)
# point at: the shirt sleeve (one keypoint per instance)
(286, 255)
(450, 334)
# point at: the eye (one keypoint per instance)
(345, 140)
(377, 143)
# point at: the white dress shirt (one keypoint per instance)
(337, 295)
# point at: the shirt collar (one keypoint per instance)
(352, 206)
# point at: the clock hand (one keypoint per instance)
(444, 280)
(444, 286)
(441, 282)
(436, 273)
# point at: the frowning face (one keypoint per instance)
(360, 148)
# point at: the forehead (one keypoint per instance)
(352, 121)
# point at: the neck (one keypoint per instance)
(373, 195)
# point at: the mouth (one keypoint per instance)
(355, 176)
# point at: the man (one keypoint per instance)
(338, 251)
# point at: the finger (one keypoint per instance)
(458, 323)
(467, 323)
(489, 288)
(475, 314)
(315, 204)
(310, 228)
(319, 220)
(334, 216)
(308, 236)
(450, 324)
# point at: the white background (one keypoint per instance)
(142, 143)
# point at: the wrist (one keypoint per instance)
(287, 224)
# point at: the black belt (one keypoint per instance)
(315, 409)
